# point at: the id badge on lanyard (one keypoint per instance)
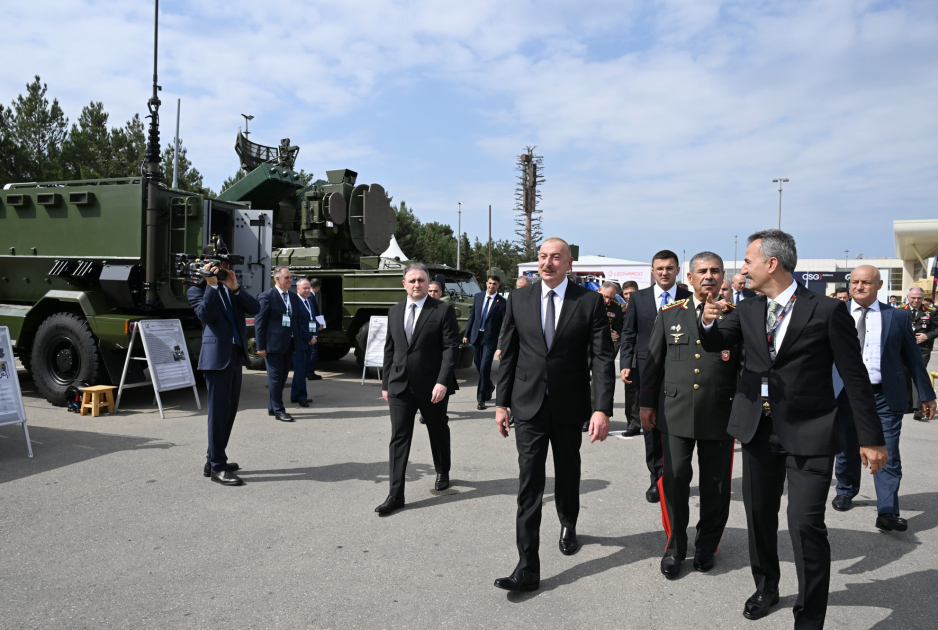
(285, 322)
(312, 327)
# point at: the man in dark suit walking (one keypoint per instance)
(555, 335)
(221, 307)
(277, 331)
(637, 322)
(784, 414)
(309, 335)
(485, 322)
(419, 374)
(889, 351)
(740, 292)
(687, 393)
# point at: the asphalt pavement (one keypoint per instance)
(112, 525)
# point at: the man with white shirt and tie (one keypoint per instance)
(785, 415)
(419, 375)
(889, 348)
(277, 331)
(740, 292)
(485, 322)
(637, 323)
(309, 335)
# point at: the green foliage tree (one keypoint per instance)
(10, 154)
(409, 233)
(128, 145)
(190, 179)
(38, 129)
(234, 179)
(92, 151)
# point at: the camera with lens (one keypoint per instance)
(192, 266)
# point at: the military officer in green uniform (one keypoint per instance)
(925, 326)
(688, 394)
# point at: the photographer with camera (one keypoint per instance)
(221, 305)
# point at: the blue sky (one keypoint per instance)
(662, 124)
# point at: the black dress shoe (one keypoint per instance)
(758, 605)
(314, 377)
(891, 523)
(226, 478)
(670, 566)
(442, 481)
(651, 495)
(519, 580)
(481, 406)
(569, 545)
(303, 403)
(390, 504)
(842, 503)
(283, 416)
(207, 469)
(632, 431)
(703, 560)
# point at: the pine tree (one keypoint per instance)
(39, 128)
(190, 179)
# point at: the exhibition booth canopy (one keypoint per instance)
(604, 268)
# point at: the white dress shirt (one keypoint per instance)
(872, 347)
(783, 298)
(486, 309)
(286, 300)
(410, 305)
(559, 292)
(672, 295)
(738, 296)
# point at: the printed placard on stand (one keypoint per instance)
(374, 349)
(12, 410)
(167, 357)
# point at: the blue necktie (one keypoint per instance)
(665, 298)
(485, 313)
(229, 310)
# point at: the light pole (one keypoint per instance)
(459, 238)
(779, 182)
(247, 118)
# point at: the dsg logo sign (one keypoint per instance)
(808, 277)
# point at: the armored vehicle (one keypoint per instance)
(336, 231)
(72, 262)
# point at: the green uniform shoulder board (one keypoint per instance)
(681, 303)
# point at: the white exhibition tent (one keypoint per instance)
(616, 269)
(394, 251)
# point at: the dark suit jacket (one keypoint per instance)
(528, 369)
(304, 319)
(217, 332)
(820, 334)
(900, 352)
(637, 322)
(270, 334)
(493, 321)
(748, 294)
(429, 359)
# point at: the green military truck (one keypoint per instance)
(337, 232)
(73, 257)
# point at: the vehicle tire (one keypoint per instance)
(255, 361)
(333, 352)
(361, 343)
(64, 351)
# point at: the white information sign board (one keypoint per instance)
(374, 349)
(12, 410)
(167, 357)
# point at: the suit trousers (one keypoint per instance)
(301, 359)
(652, 441)
(484, 355)
(278, 369)
(715, 462)
(224, 392)
(404, 407)
(849, 465)
(916, 399)
(766, 466)
(311, 360)
(532, 437)
(632, 410)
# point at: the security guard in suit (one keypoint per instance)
(925, 326)
(687, 394)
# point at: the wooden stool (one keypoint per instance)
(95, 397)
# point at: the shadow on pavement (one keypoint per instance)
(55, 448)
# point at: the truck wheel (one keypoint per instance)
(64, 350)
(333, 353)
(256, 361)
(361, 342)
